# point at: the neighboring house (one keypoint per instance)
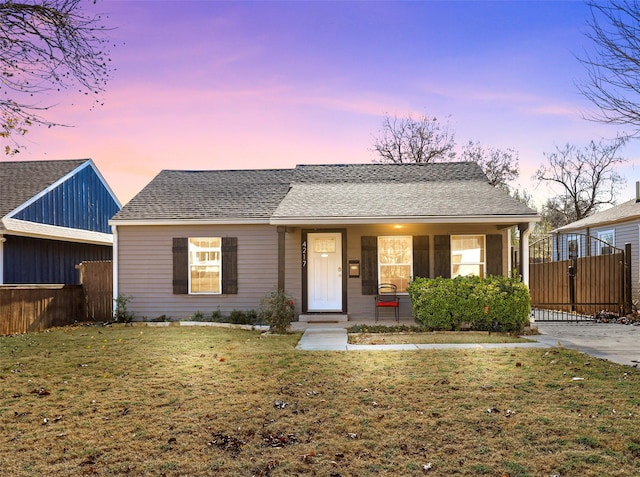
(613, 227)
(53, 215)
(202, 241)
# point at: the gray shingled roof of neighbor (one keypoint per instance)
(626, 211)
(20, 181)
(209, 195)
(322, 191)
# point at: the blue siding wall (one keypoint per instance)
(30, 260)
(81, 202)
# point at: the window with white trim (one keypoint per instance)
(468, 255)
(395, 260)
(607, 240)
(205, 265)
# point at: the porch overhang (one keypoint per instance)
(504, 220)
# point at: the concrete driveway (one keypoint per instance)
(617, 343)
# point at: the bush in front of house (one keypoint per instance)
(277, 310)
(494, 303)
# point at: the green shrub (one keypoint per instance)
(239, 317)
(216, 316)
(121, 314)
(277, 309)
(494, 303)
(197, 316)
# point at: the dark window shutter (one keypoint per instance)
(421, 256)
(442, 256)
(494, 255)
(369, 265)
(180, 266)
(229, 265)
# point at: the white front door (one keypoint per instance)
(324, 271)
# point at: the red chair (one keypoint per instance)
(387, 297)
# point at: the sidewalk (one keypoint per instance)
(613, 342)
(334, 338)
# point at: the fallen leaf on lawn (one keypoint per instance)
(41, 392)
(279, 404)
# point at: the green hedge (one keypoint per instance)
(491, 304)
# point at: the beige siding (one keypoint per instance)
(145, 264)
(145, 269)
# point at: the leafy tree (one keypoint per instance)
(614, 68)
(586, 177)
(46, 46)
(410, 140)
(423, 140)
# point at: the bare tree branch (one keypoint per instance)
(500, 166)
(586, 177)
(613, 84)
(47, 46)
(409, 140)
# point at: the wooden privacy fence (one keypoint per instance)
(576, 276)
(598, 284)
(97, 281)
(26, 308)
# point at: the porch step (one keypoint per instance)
(324, 318)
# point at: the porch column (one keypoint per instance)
(525, 231)
(281, 251)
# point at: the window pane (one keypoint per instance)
(395, 260)
(467, 255)
(205, 265)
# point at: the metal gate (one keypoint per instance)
(575, 277)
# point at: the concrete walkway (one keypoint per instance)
(334, 338)
(616, 343)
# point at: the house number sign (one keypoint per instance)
(304, 254)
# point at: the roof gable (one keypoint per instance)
(21, 181)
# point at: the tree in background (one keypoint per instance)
(46, 46)
(409, 140)
(423, 140)
(499, 166)
(586, 178)
(614, 68)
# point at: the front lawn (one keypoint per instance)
(177, 401)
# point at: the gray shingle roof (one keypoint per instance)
(203, 195)
(388, 200)
(20, 181)
(362, 173)
(620, 213)
(335, 190)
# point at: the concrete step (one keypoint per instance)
(324, 317)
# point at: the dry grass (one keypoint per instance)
(174, 401)
(434, 337)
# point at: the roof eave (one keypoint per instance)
(485, 219)
(53, 232)
(166, 222)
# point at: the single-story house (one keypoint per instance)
(613, 227)
(53, 215)
(202, 241)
